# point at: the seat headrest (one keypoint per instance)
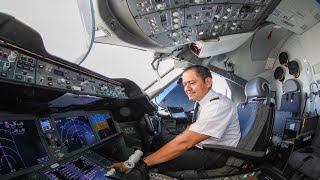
(291, 85)
(256, 88)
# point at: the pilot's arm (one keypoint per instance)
(174, 148)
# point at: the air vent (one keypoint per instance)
(276, 12)
(304, 27)
(316, 68)
(287, 23)
(317, 16)
(106, 32)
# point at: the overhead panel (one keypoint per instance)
(296, 15)
(178, 22)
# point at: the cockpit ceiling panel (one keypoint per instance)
(178, 22)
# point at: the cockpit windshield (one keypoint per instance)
(66, 27)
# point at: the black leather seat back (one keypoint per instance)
(291, 99)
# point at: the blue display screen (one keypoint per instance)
(75, 132)
(45, 125)
(103, 125)
(20, 146)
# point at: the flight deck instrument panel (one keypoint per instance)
(23, 67)
(20, 146)
(179, 22)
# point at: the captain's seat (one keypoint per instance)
(256, 116)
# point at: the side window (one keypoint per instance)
(174, 95)
(220, 85)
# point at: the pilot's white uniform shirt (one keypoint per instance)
(218, 118)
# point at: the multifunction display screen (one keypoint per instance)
(103, 125)
(20, 146)
(75, 132)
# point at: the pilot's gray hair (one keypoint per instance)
(201, 71)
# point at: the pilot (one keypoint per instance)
(215, 122)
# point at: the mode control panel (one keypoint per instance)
(16, 66)
(51, 75)
(178, 22)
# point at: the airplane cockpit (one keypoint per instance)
(86, 84)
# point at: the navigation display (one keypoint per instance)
(20, 146)
(103, 125)
(75, 132)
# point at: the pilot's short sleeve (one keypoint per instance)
(214, 119)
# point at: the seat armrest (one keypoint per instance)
(236, 152)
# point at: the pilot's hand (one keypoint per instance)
(119, 166)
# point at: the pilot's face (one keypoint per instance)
(194, 86)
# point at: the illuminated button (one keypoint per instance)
(23, 57)
(177, 26)
(3, 74)
(50, 83)
(161, 6)
(41, 66)
(31, 69)
(18, 77)
(174, 34)
(67, 82)
(175, 14)
(225, 17)
(214, 34)
(176, 20)
(19, 66)
(229, 10)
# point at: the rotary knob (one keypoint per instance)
(13, 56)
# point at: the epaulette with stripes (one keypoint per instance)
(214, 98)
